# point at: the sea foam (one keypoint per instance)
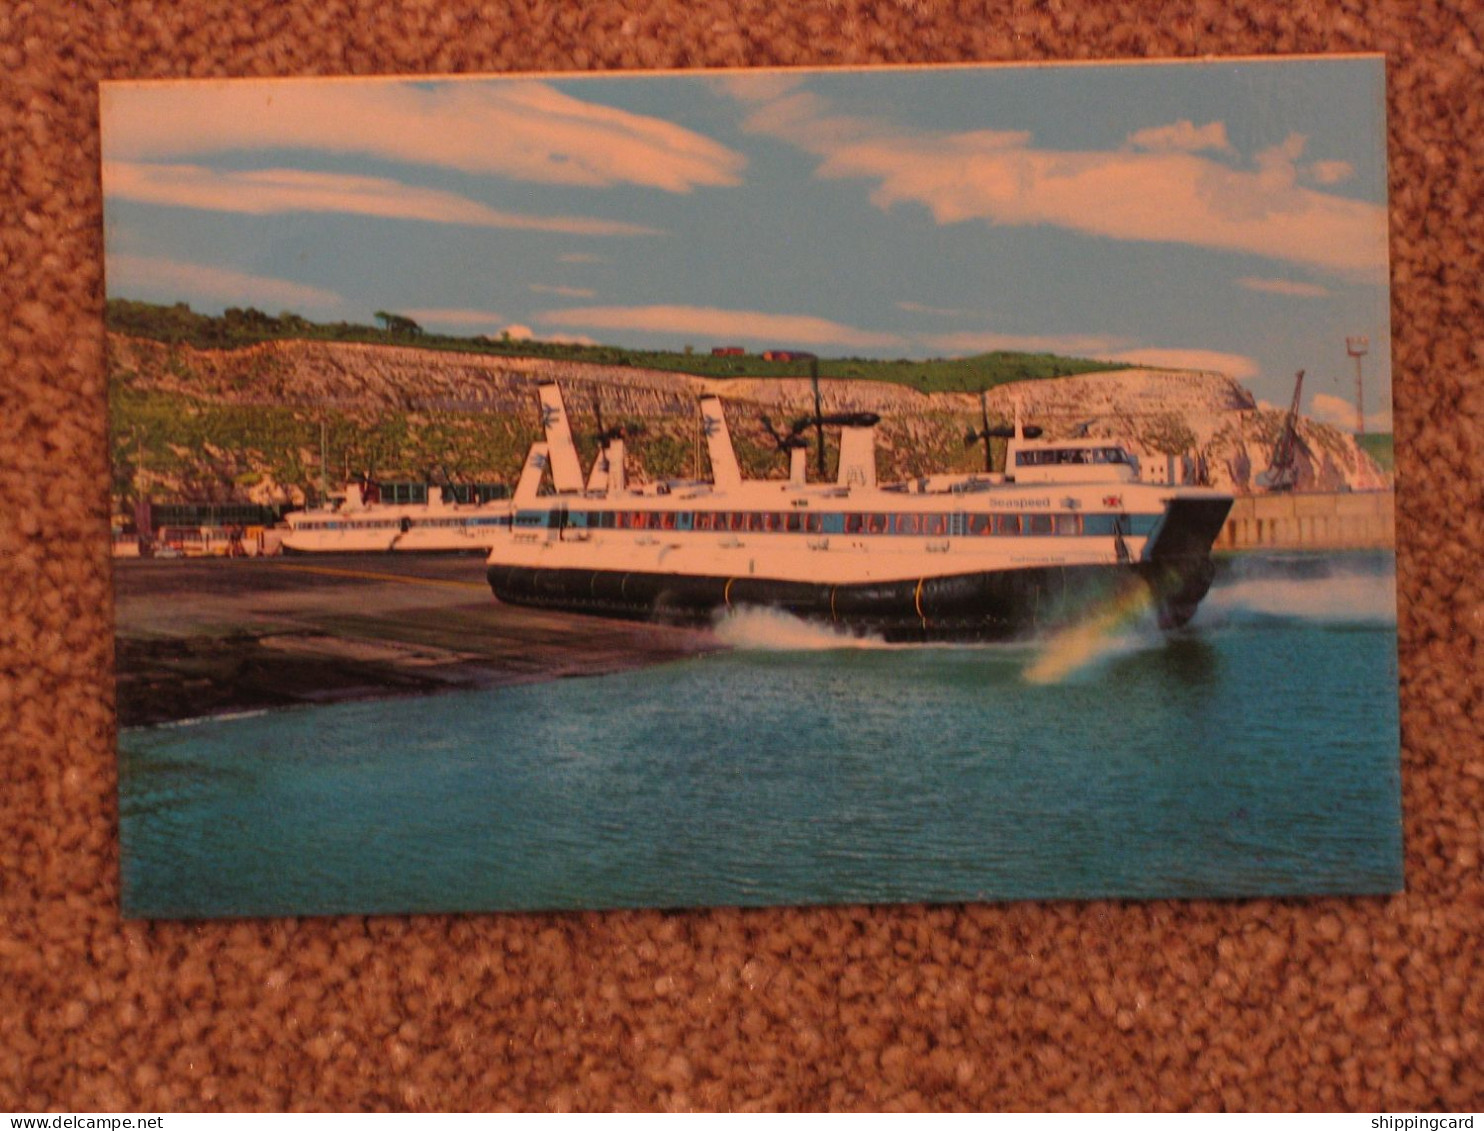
(1346, 598)
(772, 630)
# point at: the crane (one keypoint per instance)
(1282, 469)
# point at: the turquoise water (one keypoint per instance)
(1255, 753)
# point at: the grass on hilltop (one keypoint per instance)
(238, 328)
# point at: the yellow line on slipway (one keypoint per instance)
(367, 575)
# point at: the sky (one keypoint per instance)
(1221, 215)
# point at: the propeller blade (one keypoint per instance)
(818, 416)
(851, 419)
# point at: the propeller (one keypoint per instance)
(818, 414)
(836, 420)
(792, 440)
(1000, 432)
(819, 420)
(988, 431)
(984, 433)
(606, 436)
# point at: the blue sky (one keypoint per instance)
(1223, 215)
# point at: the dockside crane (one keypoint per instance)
(1282, 470)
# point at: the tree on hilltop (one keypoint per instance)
(397, 325)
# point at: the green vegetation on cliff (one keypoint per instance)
(237, 328)
(174, 446)
(1381, 447)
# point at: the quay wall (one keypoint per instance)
(1358, 520)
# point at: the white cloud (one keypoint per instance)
(512, 128)
(1288, 287)
(1329, 172)
(1182, 135)
(133, 276)
(1167, 194)
(757, 86)
(454, 317)
(1097, 347)
(564, 292)
(1156, 197)
(983, 341)
(936, 311)
(1237, 366)
(489, 323)
(782, 330)
(269, 191)
(1330, 409)
(809, 122)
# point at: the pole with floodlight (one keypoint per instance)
(1357, 348)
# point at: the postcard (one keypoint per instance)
(750, 488)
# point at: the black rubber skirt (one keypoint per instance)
(991, 605)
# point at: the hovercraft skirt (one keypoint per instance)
(993, 605)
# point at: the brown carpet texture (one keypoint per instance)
(1350, 1004)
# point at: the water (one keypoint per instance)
(1255, 753)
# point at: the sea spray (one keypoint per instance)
(1117, 627)
(1348, 597)
(773, 630)
(758, 629)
